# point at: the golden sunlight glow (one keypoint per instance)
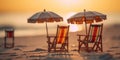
(73, 27)
(68, 2)
(68, 15)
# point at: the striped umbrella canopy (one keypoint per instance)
(87, 16)
(45, 16)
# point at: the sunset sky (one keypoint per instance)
(59, 6)
(14, 11)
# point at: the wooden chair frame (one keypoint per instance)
(9, 33)
(52, 41)
(97, 44)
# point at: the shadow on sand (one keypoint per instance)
(42, 54)
(96, 56)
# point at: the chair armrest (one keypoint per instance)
(80, 39)
(51, 36)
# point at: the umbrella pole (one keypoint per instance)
(46, 29)
(85, 21)
(86, 27)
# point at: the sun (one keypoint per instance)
(75, 28)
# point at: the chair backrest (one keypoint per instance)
(95, 31)
(62, 33)
(9, 33)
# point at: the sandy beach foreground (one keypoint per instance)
(35, 48)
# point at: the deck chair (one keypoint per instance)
(93, 40)
(9, 38)
(59, 43)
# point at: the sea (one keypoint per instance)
(18, 21)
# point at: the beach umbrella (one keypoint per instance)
(87, 16)
(45, 16)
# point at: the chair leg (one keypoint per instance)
(101, 47)
(78, 46)
(54, 46)
(67, 44)
(48, 44)
(64, 47)
(5, 42)
(87, 47)
(13, 42)
(97, 47)
(49, 48)
(67, 47)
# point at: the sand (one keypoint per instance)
(35, 48)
